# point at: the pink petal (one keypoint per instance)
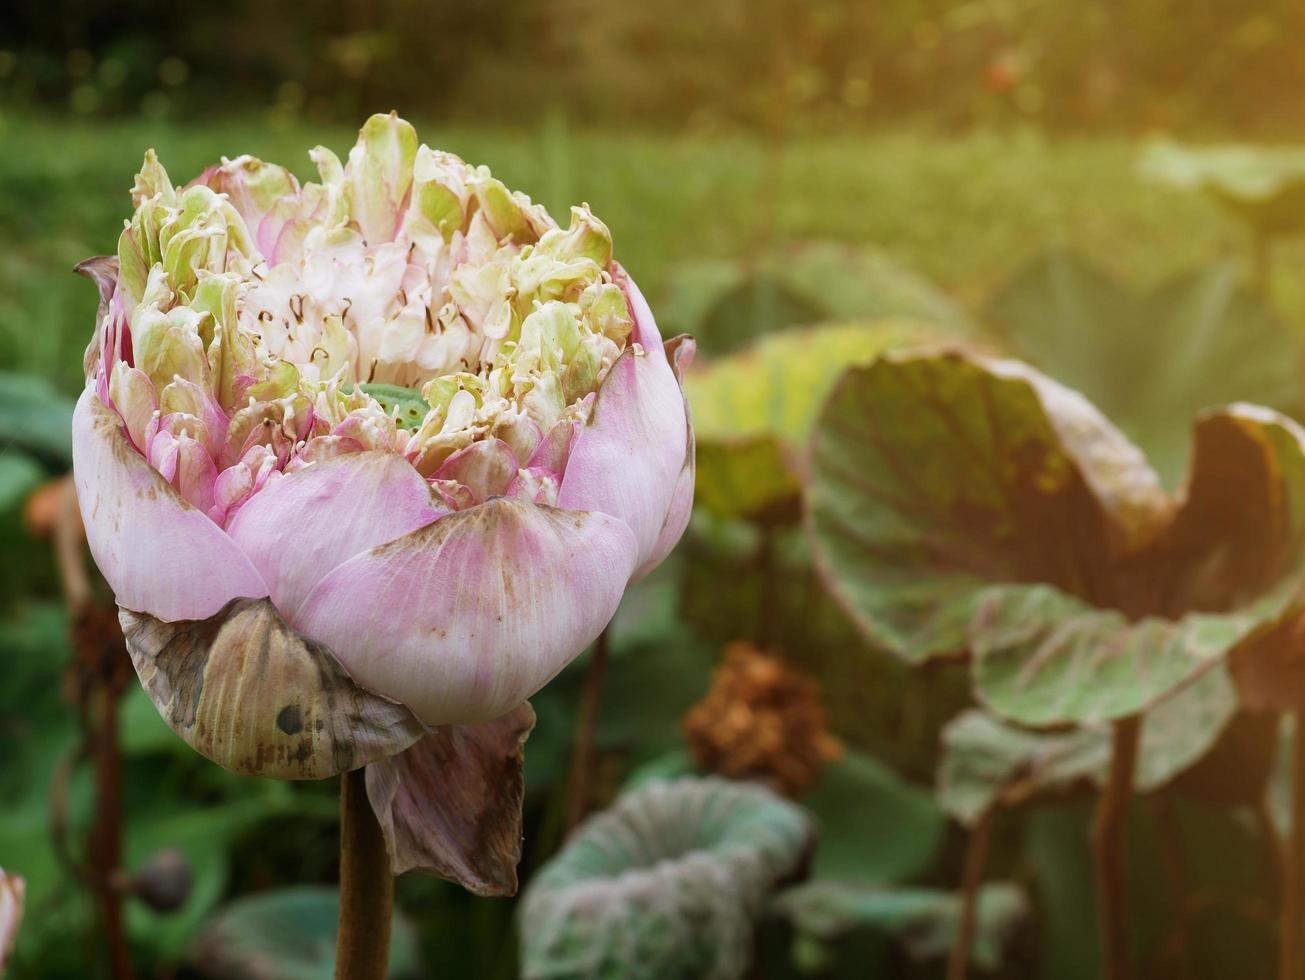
(486, 468)
(645, 330)
(469, 616)
(159, 554)
(299, 528)
(627, 459)
(679, 351)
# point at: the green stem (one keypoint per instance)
(583, 751)
(1108, 846)
(1262, 263)
(362, 949)
(976, 856)
(1292, 943)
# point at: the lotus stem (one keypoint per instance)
(976, 856)
(583, 751)
(1262, 263)
(1291, 940)
(1108, 846)
(1175, 943)
(362, 949)
(767, 596)
(99, 685)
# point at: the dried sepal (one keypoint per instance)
(450, 805)
(246, 690)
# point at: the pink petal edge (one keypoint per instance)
(158, 553)
(467, 617)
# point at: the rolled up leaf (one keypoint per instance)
(666, 883)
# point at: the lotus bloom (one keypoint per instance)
(398, 422)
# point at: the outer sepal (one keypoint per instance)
(450, 805)
(245, 690)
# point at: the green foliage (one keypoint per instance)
(287, 934)
(35, 417)
(753, 410)
(1150, 361)
(925, 920)
(874, 827)
(1263, 185)
(731, 304)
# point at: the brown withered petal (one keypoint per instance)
(103, 271)
(451, 804)
(221, 684)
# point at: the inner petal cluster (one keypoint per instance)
(408, 303)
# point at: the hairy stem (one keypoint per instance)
(1107, 847)
(98, 667)
(106, 837)
(583, 751)
(976, 856)
(362, 949)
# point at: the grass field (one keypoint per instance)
(964, 210)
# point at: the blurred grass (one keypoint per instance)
(964, 210)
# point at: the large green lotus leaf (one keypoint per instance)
(666, 883)
(988, 762)
(1149, 362)
(875, 827)
(925, 919)
(287, 934)
(1264, 185)
(936, 475)
(753, 410)
(35, 416)
(965, 504)
(727, 304)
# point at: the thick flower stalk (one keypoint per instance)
(370, 455)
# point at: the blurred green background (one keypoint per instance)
(935, 147)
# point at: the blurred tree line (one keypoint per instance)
(824, 64)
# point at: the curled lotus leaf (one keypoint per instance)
(989, 762)
(668, 882)
(960, 504)
(450, 804)
(247, 691)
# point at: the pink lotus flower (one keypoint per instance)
(438, 432)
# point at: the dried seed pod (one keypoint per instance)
(763, 720)
(163, 881)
